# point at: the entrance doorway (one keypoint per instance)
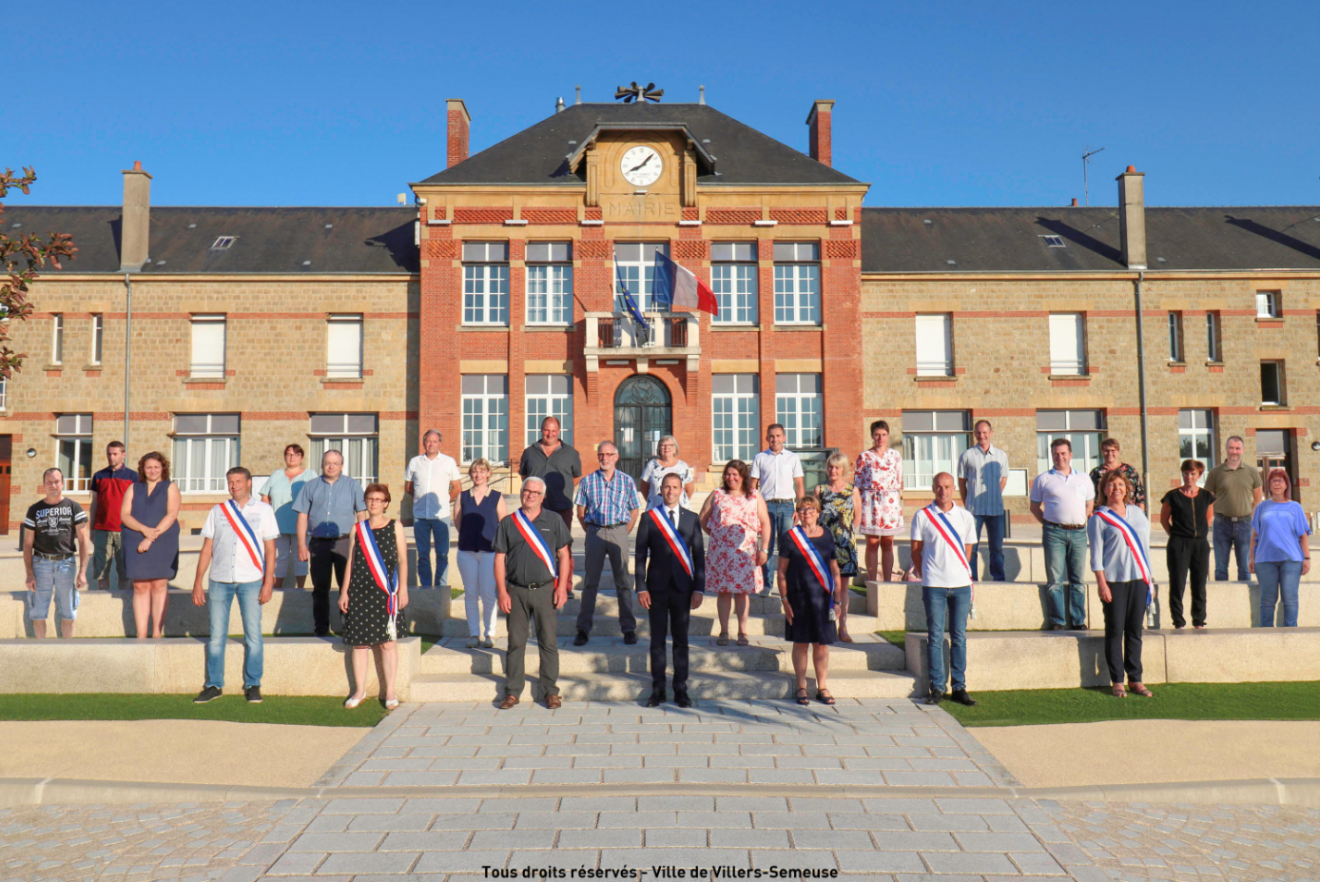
(6, 452)
(1274, 450)
(643, 414)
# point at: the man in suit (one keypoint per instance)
(670, 537)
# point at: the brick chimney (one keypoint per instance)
(459, 121)
(135, 226)
(1132, 217)
(819, 121)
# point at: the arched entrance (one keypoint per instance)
(643, 414)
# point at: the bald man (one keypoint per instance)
(941, 551)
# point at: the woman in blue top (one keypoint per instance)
(1280, 552)
(480, 511)
(1121, 574)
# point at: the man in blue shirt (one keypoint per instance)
(607, 509)
(327, 509)
(982, 476)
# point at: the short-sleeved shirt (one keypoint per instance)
(1110, 551)
(654, 474)
(1187, 515)
(607, 502)
(522, 565)
(231, 561)
(1234, 488)
(983, 470)
(1133, 477)
(775, 473)
(331, 509)
(941, 565)
(54, 526)
(1278, 527)
(109, 486)
(558, 470)
(283, 492)
(431, 479)
(1063, 497)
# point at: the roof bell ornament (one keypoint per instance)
(634, 92)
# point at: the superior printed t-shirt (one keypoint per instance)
(54, 527)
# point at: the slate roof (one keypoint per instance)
(950, 240)
(536, 155)
(267, 240)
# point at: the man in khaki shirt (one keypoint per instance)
(1237, 491)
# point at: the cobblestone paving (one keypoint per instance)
(859, 742)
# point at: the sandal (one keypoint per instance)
(1140, 689)
(353, 701)
(742, 639)
(824, 697)
(1119, 691)
(722, 640)
(845, 637)
(802, 697)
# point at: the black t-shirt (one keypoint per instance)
(1188, 518)
(54, 527)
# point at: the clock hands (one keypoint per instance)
(643, 162)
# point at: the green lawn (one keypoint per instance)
(1175, 701)
(301, 710)
(898, 638)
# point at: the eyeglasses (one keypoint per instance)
(533, 493)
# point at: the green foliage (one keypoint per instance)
(295, 710)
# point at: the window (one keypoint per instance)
(798, 407)
(549, 395)
(736, 416)
(1212, 338)
(343, 350)
(1271, 383)
(932, 443)
(733, 279)
(1176, 337)
(485, 283)
(73, 432)
(4, 392)
(1067, 343)
(485, 417)
(98, 332)
(1084, 428)
(222, 243)
(549, 283)
(205, 447)
(354, 435)
(1196, 438)
(208, 347)
(934, 346)
(1054, 241)
(634, 266)
(797, 283)
(57, 340)
(1267, 305)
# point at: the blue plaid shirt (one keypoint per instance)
(607, 502)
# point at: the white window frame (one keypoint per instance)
(736, 417)
(1085, 442)
(931, 363)
(1268, 305)
(1176, 348)
(360, 446)
(98, 338)
(800, 410)
(76, 439)
(341, 362)
(549, 283)
(1213, 338)
(927, 452)
(638, 273)
(209, 369)
(553, 403)
(1067, 335)
(195, 468)
(485, 418)
(4, 393)
(1189, 436)
(486, 283)
(1279, 381)
(734, 277)
(57, 339)
(797, 283)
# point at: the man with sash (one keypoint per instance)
(238, 547)
(531, 575)
(941, 555)
(669, 539)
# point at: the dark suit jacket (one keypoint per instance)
(664, 564)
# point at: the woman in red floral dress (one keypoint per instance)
(739, 526)
(879, 479)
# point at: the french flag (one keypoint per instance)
(679, 288)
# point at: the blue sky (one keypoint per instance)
(951, 103)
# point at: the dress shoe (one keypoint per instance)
(935, 696)
(630, 637)
(580, 639)
(682, 699)
(553, 702)
(508, 702)
(657, 698)
(961, 696)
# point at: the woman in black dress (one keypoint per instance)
(808, 602)
(368, 622)
(150, 518)
(1188, 516)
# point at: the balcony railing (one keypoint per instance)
(670, 335)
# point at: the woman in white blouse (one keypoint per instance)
(666, 462)
(1119, 536)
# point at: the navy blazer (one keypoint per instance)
(664, 564)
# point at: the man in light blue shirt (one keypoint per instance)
(327, 510)
(982, 476)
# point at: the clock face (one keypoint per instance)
(641, 166)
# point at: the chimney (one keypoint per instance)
(135, 225)
(459, 121)
(1132, 217)
(819, 120)
(1074, 202)
(559, 106)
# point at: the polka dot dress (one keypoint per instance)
(367, 622)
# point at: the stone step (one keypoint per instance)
(704, 621)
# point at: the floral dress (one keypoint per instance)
(837, 516)
(879, 477)
(731, 557)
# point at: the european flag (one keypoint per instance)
(630, 302)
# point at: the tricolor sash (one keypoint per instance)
(1111, 517)
(533, 538)
(671, 534)
(940, 522)
(385, 580)
(243, 530)
(814, 560)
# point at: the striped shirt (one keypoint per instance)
(607, 502)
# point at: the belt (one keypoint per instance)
(789, 501)
(532, 587)
(330, 538)
(1066, 526)
(44, 556)
(1233, 520)
(608, 526)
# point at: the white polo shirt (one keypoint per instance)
(230, 560)
(775, 472)
(430, 479)
(941, 566)
(1063, 498)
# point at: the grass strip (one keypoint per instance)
(1173, 701)
(293, 710)
(898, 638)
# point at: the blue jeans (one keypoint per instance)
(1065, 568)
(994, 528)
(221, 597)
(424, 530)
(1237, 537)
(946, 609)
(57, 579)
(781, 521)
(1278, 577)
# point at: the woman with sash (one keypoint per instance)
(809, 587)
(1119, 536)
(376, 580)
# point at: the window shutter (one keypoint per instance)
(934, 352)
(1066, 352)
(208, 348)
(344, 348)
